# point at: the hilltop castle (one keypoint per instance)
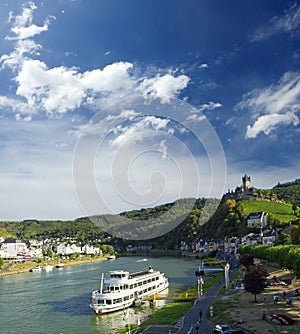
(245, 192)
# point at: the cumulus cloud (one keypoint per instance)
(138, 129)
(273, 106)
(164, 86)
(58, 90)
(23, 32)
(288, 23)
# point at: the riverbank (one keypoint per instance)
(21, 268)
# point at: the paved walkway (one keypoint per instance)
(187, 323)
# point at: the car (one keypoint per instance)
(221, 328)
(234, 331)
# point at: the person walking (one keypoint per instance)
(200, 315)
(197, 327)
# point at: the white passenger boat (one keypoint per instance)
(122, 289)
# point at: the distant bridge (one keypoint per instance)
(171, 296)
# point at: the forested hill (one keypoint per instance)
(289, 192)
(228, 219)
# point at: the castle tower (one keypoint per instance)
(246, 182)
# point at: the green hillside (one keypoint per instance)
(281, 211)
(289, 191)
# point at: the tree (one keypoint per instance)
(294, 208)
(254, 280)
(247, 260)
(284, 239)
(1, 262)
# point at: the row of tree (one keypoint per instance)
(286, 256)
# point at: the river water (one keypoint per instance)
(58, 302)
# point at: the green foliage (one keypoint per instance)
(289, 192)
(278, 211)
(287, 256)
(284, 239)
(82, 228)
(1, 262)
(228, 220)
(204, 220)
(295, 234)
(107, 249)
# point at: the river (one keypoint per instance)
(58, 302)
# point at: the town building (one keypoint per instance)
(257, 219)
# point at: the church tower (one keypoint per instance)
(246, 182)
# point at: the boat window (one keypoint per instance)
(135, 285)
(140, 283)
(108, 302)
(101, 301)
(131, 286)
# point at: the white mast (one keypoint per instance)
(101, 283)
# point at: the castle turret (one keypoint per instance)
(246, 182)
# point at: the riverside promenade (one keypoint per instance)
(186, 325)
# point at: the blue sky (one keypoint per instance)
(110, 105)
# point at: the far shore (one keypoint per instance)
(22, 268)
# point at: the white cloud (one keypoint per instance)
(139, 129)
(196, 118)
(61, 89)
(163, 148)
(273, 106)
(164, 87)
(24, 30)
(209, 106)
(196, 114)
(15, 106)
(268, 123)
(113, 77)
(288, 23)
(23, 27)
(203, 66)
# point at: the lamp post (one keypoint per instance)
(227, 267)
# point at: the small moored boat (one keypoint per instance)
(47, 268)
(35, 269)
